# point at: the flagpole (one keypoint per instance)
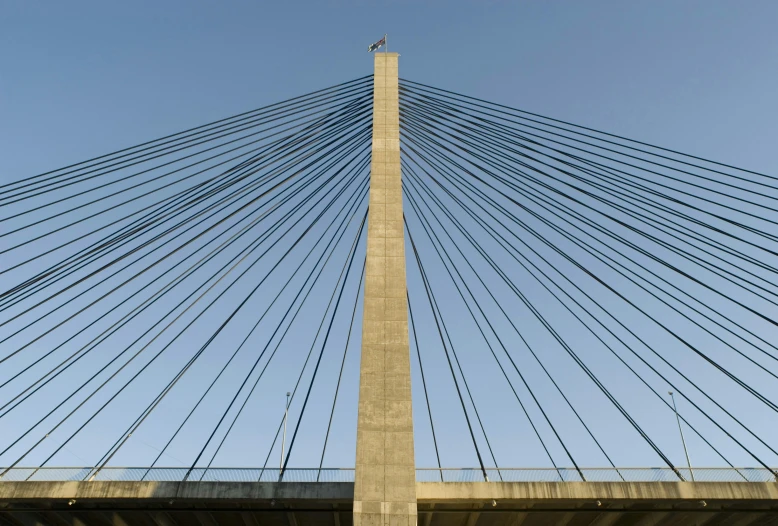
(386, 44)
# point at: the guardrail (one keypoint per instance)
(136, 474)
(162, 474)
(596, 475)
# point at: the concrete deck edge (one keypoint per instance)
(452, 492)
(201, 491)
(427, 492)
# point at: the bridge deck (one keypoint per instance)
(330, 503)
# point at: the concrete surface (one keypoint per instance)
(385, 475)
(465, 504)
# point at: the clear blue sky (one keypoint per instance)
(82, 78)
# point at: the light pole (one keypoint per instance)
(283, 440)
(680, 430)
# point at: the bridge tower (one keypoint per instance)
(385, 483)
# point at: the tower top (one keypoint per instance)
(383, 60)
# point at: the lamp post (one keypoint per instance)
(283, 439)
(680, 430)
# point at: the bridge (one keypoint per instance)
(550, 291)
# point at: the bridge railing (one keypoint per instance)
(136, 474)
(595, 475)
(163, 474)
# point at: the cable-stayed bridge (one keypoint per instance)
(540, 287)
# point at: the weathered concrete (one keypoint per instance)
(460, 504)
(598, 503)
(172, 504)
(426, 492)
(385, 477)
(476, 492)
(165, 491)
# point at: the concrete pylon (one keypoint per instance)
(385, 479)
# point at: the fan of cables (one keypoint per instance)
(175, 283)
(567, 279)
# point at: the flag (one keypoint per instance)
(377, 45)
